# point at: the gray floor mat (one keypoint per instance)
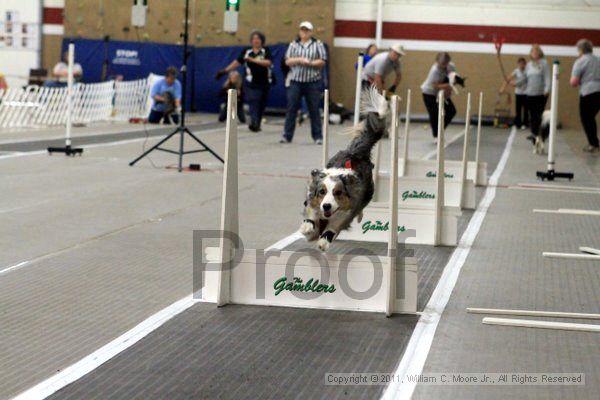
(245, 352)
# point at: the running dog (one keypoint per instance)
(337, 194)
(540, 139)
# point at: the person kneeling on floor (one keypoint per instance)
(166, 98)
(234, 81)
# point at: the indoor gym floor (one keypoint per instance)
(91, 247)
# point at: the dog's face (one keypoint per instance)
(328, 191)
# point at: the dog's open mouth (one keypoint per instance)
(328, 214)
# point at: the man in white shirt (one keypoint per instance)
(381, 65)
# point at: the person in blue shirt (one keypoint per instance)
(370, 52)
(166, 98)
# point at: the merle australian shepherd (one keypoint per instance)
(337, 194)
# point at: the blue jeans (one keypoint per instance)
(256, 96)
(311, 91)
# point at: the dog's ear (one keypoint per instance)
(348, 181)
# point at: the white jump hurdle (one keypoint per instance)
(421, 206)
(308, 279)
(476, 170)
(419, 176)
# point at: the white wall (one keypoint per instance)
(527, 13)
(548, 14)
(15, 61)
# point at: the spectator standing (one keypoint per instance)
(518, 79)
(586, 75)
(537, 72)
(257, 62)
(166, 97)
(306, 57)
(437, 80)
(381, 65)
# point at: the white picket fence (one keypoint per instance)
(36, 106)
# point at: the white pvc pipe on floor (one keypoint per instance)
(573, 256)
(526, 323)
(567, 211)
(589, 250)
(531, 313)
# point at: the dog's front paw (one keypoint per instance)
(307, 228)
(323, 244)
(359, 217)
(325, 240)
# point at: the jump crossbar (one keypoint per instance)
(306, 279)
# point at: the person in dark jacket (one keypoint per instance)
(257, 62)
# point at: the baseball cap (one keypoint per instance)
(307, 25)
(398, 49)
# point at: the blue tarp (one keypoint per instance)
(208, 60)
(135, 60)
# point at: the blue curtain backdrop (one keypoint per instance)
(135, 60)
(208, 60)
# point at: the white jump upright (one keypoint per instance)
(306, 278)
(422, 208)
(480, 110)
(68, 150)
(419, 168)
(229, 203)
(406, 133)
(358, 88)
(393, 206)
(551, 173)
(325, 127)
(463, 177)
(439, 179)
(420, 175)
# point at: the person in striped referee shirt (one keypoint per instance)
(306, 57)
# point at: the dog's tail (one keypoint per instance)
(371, 129)
(371, 101)
(545, 125)
(546, 119)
